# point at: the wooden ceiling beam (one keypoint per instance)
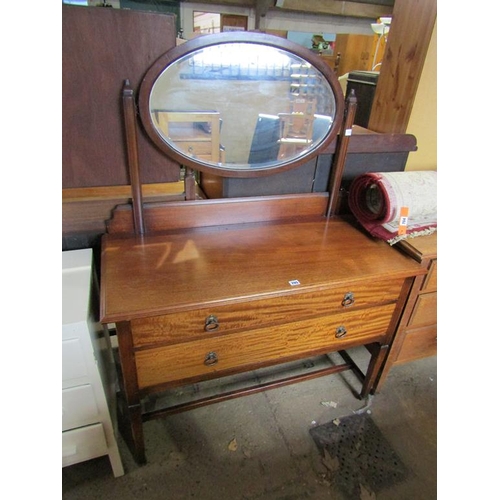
(336, 8)
(234, 3)
(352, 8)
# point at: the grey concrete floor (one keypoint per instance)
(260, 446)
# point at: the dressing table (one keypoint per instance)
(202, 290)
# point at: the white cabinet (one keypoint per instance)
(87, 377)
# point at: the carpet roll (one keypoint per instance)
(395, 205)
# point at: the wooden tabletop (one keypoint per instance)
(421, 247)
(159, 274)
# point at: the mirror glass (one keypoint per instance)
(241, 106)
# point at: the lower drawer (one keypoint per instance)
(83, 444)
(209, 358)
(419, 343)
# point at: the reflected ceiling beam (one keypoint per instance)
(389, 3)
(367, 9)
(352, 8)
(235, 3)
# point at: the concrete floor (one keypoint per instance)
(260, 446)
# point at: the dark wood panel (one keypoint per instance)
(175, 215)
(88, 214)
(101, 48)
(367, 141)
(294, 181)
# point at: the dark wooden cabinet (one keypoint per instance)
(364, 85)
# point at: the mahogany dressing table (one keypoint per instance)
(204, 289)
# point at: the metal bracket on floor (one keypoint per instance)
(364, 409)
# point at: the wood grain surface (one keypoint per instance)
(167, 273)
(184, 363)
(190, 325)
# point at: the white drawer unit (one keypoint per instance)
(87, 376)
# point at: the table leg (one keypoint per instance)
(130, 410)
(379, 353)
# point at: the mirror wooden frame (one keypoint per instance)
(225, 170)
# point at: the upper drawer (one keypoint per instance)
(425, 311)
(79, 407)
(207, 322)
(430, 282)
(207, 358)
(196, 147)
(73, 361)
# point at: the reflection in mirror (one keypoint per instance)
(242, 106)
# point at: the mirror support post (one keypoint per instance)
(130, 117)
(340, 154)
(189, 184)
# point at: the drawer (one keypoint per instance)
(196, 147)
(73, 360)
(430, 282)
(186, 326)
(186, 362)
(83, 444)
(418, 343)
(79, 407)
(425, 311)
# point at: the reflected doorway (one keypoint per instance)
(205, 23)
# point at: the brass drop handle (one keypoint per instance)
(348, 299)
(340, 332)
(211, 358)
(211, 323)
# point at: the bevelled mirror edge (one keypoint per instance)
(181, 52)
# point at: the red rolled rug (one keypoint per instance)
(395, 205)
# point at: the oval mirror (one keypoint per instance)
(241, 104)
